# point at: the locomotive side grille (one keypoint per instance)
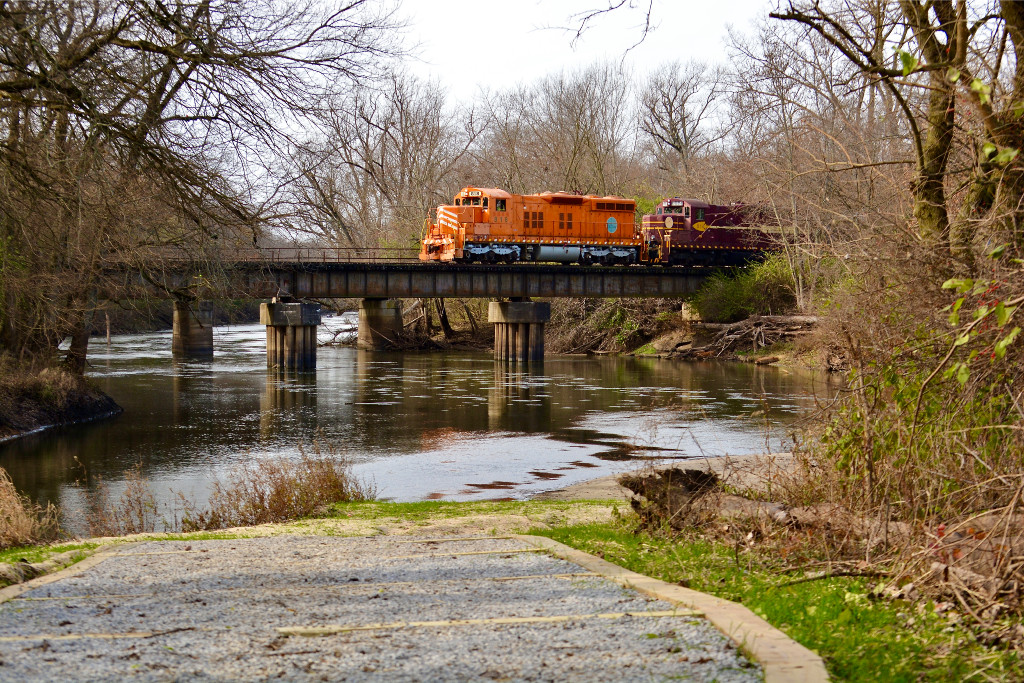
(612, 206)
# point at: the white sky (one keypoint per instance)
(472, 44)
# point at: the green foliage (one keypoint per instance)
(860, 638)
(765, 288)
(644, 205)
(982, 90)
(42, 553)
(908, 61)
(912, 414)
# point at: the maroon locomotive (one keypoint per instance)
(694, 233)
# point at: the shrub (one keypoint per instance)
(581, 325)
(275, 490)
(21, 521)
(764, 288)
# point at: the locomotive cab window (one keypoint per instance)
(485, 202)
(458, 202)
(499, 204)
(686, 212)
(700, 214)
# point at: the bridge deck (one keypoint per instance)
(350, 279)
(405, 280)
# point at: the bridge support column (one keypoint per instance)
(291, 334)
(380, 323)
(518, 330)
(192, 331)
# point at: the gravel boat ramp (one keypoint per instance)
(327, 608)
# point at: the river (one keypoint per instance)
(441, 425)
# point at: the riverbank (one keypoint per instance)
(33, 401)
(755, 474)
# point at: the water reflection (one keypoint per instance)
(421, 425)
(289, 398)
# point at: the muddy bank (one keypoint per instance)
(51, 398)
(740, 472)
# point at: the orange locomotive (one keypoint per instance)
(493, 226)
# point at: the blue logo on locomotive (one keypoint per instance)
(612, 224)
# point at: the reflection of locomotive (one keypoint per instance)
(493, 226)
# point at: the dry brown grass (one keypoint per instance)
(133, 512)
(261, 492)
(275, 490)
(33, 396)
(21, 521)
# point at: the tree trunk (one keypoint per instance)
(76, 356)
(929, 190)
(469, 316)
(442, 315)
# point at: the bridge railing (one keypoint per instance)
(286, 255)
(332, 255)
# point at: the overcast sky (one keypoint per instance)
(474, 44)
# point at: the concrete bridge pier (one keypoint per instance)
(192, 331)
(518, 330)
(380, 323)
(291, 334)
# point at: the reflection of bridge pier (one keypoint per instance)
(519, 400)
(288, 396)
(188, 381)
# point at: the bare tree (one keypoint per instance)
(677, 109)
(574, 132)
(953, 62)
(126, 125)
(387, 158)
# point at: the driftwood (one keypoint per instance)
(752, 334)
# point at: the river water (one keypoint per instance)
(442, 425)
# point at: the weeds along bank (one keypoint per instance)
(34, 397)
(262, 492)
(926, 447)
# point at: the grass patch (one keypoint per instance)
(860, 638)
(38, 553)
(442, 509)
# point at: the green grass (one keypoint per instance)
(440, 509)
(860, 638)
(40, 553)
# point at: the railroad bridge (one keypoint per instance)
(379, 277)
